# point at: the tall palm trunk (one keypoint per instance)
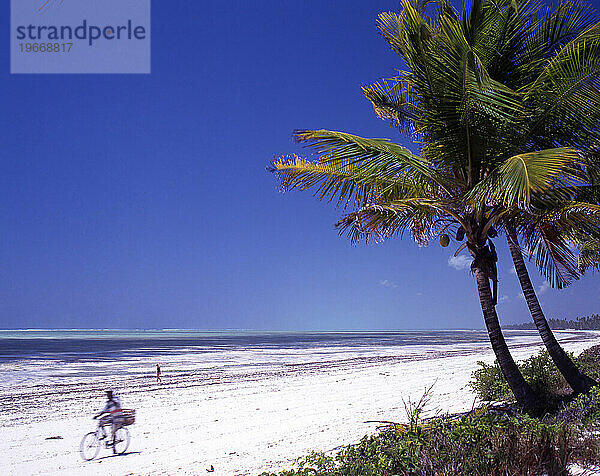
(578, 381)
(525, 396)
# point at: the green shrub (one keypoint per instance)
(585, 409)
(489, 384)
(480, 442)
(589, 362)
(492, 444)
(388, 453)
(538, 370)
(543, 375)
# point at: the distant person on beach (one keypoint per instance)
(158, 379)
(114, 416)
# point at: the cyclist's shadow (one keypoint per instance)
(119, 455)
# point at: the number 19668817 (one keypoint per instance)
(45, 47)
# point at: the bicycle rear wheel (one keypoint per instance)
(121, 440)
(89, 446)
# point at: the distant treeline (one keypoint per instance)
(581, 323)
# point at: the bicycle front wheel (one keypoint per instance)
(89, 446)
(121, 440)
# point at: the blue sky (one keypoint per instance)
(136, 201)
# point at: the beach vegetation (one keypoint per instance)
(585, 409)
(485, 440)
(482, 441)
(489, 384)
(589, 361)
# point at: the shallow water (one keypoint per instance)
(41, 357)
(110, 344)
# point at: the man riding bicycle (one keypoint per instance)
(114, 416)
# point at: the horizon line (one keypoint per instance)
(58, 329)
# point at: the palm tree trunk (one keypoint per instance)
(525, 396)
(578, 381)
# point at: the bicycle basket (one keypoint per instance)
(128, 417)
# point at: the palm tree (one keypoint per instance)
(556, 72)
(561, 33)
(394, 191)
(578, 381)
(468, 177)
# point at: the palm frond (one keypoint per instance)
(380, 221)
(589, 255)
(374, 155)
(563, 99)
(524, 175)
(394, 100)
(552, 235)
(553, 256)
(342, 181)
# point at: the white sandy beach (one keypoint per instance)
(241, 424)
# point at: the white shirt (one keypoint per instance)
(113, 407)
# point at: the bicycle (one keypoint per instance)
(91, 442)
